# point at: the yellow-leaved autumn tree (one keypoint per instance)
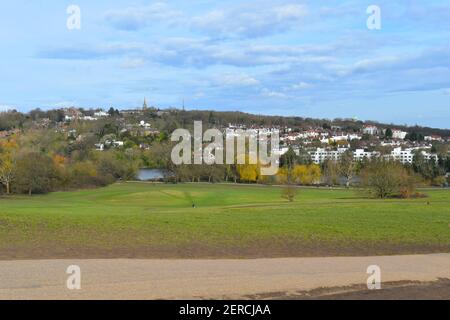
(248, 172)
(7, 163)
(301, 174)
(307, 174)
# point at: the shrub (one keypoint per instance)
(385, 179)
(35, 173)
(110, 167)
(289, 192)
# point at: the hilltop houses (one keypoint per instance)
(326, 141)
(433, 138)
(399, 134)
(101, 114)
(370, 130)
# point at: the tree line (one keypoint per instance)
(36, 159)
(28, 170)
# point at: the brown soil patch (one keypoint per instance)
(402, 290)
(262, 249)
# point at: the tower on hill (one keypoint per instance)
(145, 106)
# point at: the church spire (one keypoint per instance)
(144, 106)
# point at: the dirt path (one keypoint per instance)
(222, 279)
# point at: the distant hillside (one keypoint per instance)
(176, 118)
(223, 118)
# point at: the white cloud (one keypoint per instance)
(134, 18)
(203, 53)
(63, 104)
(130, 63)
(236, 80)
(300, 86)
(199, 53)
(253, 20)
(273, 94)
(290, 11)
(250, 21)
(199, 95)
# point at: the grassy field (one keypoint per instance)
(139, 220)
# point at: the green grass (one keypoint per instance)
(147, 220)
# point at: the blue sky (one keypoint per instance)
(303, 58)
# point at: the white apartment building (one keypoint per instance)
(399, 134)
(407, 156)
(321, 155)
(361, 154)
(404, 156)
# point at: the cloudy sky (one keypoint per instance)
(304, 58)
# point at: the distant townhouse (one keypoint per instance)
(144, 124)
(398, 134)
(338, 138)
(391, 143)
(433, 138)
(342, 137)
(88, 118)
(101, 114)
(232, 131)
(354, 136)
(131, 111)
(72, 114)
(370, 129)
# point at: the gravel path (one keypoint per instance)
(201, 279)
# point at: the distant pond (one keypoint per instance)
(150, 174)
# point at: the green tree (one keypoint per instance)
(428, 169)
(383, 179)
(111, 166)
(388, 134)
(289, 160)
(35, 172)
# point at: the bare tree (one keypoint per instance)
(347, 167)
(289, 192)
